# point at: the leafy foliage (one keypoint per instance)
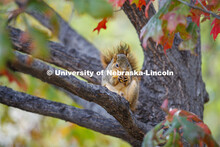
(37, 40)
(172, 19)
(95, 8)
(153, 29)
(139, 3)
(216, 28)
(167, 31)
(179, 126)
(14, 77)
(5, 44)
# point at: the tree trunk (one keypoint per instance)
(184, 90)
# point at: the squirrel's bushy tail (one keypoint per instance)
(123, 48)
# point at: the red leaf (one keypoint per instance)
(12, 77)
(139, 3)
(213, 2)
(204, 127)
(101, 25)
(173, 20)
(195, 15)
(169, 117)
(164, 106)
(118, 3)
(167, 41)
(5, 2)
(216, 28)
(209, 141)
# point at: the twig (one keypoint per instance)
(202, 5)
(118, 10)
(195, 7)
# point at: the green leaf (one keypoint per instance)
(6, 52)
(170, 141)
(154, 28)
(177, 140)
(150, 136)
(148, 139)
(5, 115)
(36, 5)
(191, 132)
(95, 8)
(189, 37)
(174, 125)
(49, 13)
(40, 40)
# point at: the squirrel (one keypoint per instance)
(120, 59)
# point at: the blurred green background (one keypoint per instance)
(20, 128)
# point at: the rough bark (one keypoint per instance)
(86, 104)
(83, 117)
(67, 35)
(114, 104)
(185, 89)
(72, 60)
(60, 56)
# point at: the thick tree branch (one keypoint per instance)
(136, 16)
(73, 61)
(185, 89)
(67, 35)
(59, 56)
(114, 104)
(87, 105)
(83, 117)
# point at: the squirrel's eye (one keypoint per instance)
(116, 65)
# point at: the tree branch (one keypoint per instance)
(114, 104)
(81, 117)
(136, 16)
(59, 56)
(73, 61)
(87, 105)
(204, 10)
(185, 88)
(67, 35)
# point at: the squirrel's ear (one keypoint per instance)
(127, 55)
(115, 58)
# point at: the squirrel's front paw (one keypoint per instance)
(125, 79)
(121, 79)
